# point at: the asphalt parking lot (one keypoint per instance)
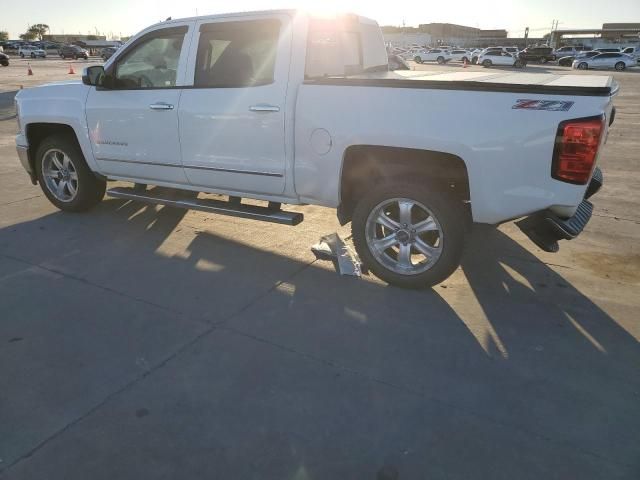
(140, 342)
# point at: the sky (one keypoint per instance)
(126, 17)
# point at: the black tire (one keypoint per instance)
(440, 60)
(90, 189)
(5, 63)
(450, 213)
(417, 59)
(474, 60)
(583, 66)
(22, 55)
(487, 63)
(620, 66)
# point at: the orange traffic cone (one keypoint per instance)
(29, 71)
(71, 71)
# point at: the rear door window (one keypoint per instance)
(237, 54)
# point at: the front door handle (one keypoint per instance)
(161, 106)
(264, 108)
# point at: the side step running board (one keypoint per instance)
(185, 199)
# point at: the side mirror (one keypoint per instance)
(92, 76)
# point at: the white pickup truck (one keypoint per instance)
(287, 108)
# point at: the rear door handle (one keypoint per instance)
(161, 106)
(264, 108)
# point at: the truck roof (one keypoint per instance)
(543, 83)
(286, 11)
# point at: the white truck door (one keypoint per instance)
(232, 120)
(133, 120)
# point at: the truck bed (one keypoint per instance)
(494, 81)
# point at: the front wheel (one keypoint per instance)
(64, 176)
(583, 66)
(620, 66)
(440, 60)
(417, 59)
(409, 236)
(487, 63)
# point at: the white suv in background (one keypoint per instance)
(501, 58)
(31, 51)
(432, 55)
(460, 55)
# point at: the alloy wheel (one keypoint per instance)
(404, 236)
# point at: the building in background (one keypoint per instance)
(434, 34)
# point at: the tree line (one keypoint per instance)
(34, 32)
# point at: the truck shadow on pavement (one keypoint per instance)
(306, 374)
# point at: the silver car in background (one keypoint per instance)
(619, 61)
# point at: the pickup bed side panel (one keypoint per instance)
(60, 104)
(507, 151)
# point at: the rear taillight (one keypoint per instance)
(576, 149)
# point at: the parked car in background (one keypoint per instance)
(570, 51)
(31, 51)
(616, 60)
(477, 53)
(538, 54)
(106, 53)
(608, 50)
(568, 61)
(433, 55)
(499, 58)
(73, 51)
(4, 59)
(633, 52)
(460, 55)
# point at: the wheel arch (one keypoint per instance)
(37, 132)
(365, 166)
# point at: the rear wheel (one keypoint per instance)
(409, 236)
(487, 63)
(583, 66)
(64, 176)
(440, 60)
(620, 66)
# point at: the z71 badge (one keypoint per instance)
(548, 105)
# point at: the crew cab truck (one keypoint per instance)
(287, 108)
